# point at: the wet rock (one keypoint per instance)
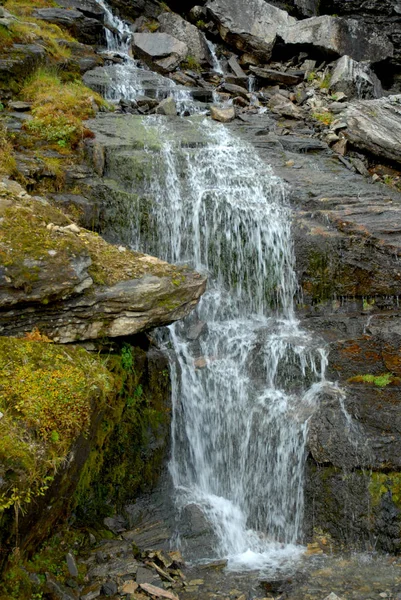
(251, 27)
(375, 126)
(224, 115)
(272, 76)
(180, 29)
(355, 80)
(84, 29)
(334, 35)
(233, 89)
(160, 51)
(167, 107)
(136, 8)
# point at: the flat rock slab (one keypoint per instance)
(275, 76)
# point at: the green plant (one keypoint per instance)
(325, 81)
(191, 63)
(382, 380)
(311, 76)
(127, 360)
(324, 117)
(200, 24)
(152, 26)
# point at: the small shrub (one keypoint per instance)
(325, 82)
(152, 26)
(324, 117)
(191, 63)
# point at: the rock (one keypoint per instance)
(180, 29)
(115, 524)
(72, 565)
(375, 126)
(91, 592)
(47, 266)
(84, 29)
(21, 59)
(275, 76)
(110, 588)
(57, 590)
(339, 36)
(355, 80)
(158, 592)
(282, 106)
(308, 8)
(233, 89)
(340, 147)
(160, 51)
(136, 8)
(251, 27)
(167, 107)
(332, 596)
(236, 67)
(129, 587)
(89, 8)
(118, 567)
(144, 575)
(20, 106)
(224, 115)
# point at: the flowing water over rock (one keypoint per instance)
(246, 378)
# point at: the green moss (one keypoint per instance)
(384, 483)
(382, 380)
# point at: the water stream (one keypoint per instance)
(246, 378)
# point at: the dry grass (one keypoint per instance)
(7, 160)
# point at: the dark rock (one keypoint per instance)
(180, 29)
(160, 51)
(58, 591)
(240, 81)
(115, 524)
(89, 8)
(355, 80)
(91, 592)
(236, 90)
(20, 61)
(136, 8)
(301, 145)
(84, 29)
(337, 36)
(251, 27)
(276, 76)
(144, 575)
(110, 588)
(118, 567)
(375, 126)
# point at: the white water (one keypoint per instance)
(245, 388)
(215, 61)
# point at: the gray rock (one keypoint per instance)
(72, 565)
(160, 51)
(20, 106)
(251, 27)
(85, 29)
(309, 8)
(58, 591)
(180, 29)
(91, 592)
(115, 524)
(235, 90)
(110, 588)
(272, 76)
(89, 8)
(355, 80)
(375, 126)
(144, 575)
(236, 67)
(282, 106)
(339, 36)
(167, 107)
(224, 115)
(119, 567)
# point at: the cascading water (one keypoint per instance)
(245, 377)
(246, 383)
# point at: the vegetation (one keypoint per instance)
(324, 117)
(7, 160)
(191, 63)
(46, 398)
(59, 108)
(382, 380)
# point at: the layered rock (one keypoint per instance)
(190, 35)
(375, 126)
(355, 80)
(161, 51)
(77, 286)
(86, 29)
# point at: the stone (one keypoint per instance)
(272, 76)
(332, 596)
(224, 115)
(180, 29)
(89, 8)
(340, 147)
(84, 29)
(375, 126)
(129, 587)
(117, 567)
(235, 66)
(20, 106)
(144, 575)
(233, 89)
(91, 592)
(115, 524)
(58, 591)
(158, 592)
(354, 80)
(282, 106)
(251, 27)
(339, 36)
(167, 107)
(110, 588)
(19, 62)
(160, 51)
(72, 565)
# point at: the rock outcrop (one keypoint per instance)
(355, 80)
(252, 27)
(160, 51)
(190, 35)
(77, 286)
(86, 29)
(375, 126)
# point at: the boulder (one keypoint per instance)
(375, 126)
(282, 106)
(84, 29)
(167, 107)
(89, 8)
(224, 115)
(137, 8)
(180, 29)
(275, 76)
(161, 51)
(251, 27)
(76, 285)
(355, 79)
(338, 36)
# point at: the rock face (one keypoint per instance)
(252, 27)
(375, 126)
(161, 51)
(355, 79)
(337, 36)
(87, 30)
(23, 59)
(77, 286)
(180, 29)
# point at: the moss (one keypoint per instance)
(46, 397)
(324, 117)
(382, 380)
(320, 284)
(191, 63)
(385, 483)
(7, 160)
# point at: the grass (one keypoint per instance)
(7, 160)
(324, 117)
(59, 108)
(191, 63)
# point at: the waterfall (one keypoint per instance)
(245, 377)
(215, 61)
